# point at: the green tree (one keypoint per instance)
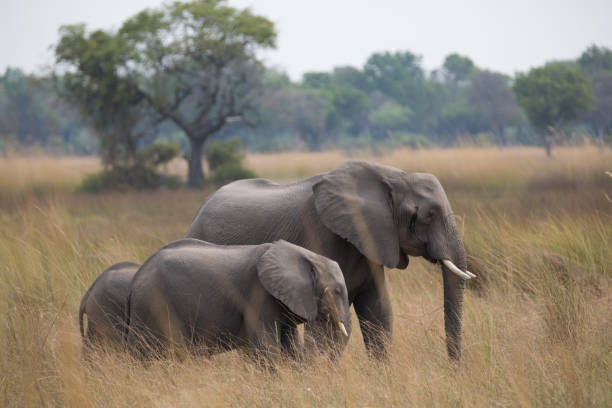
(310, 110)
(351, 105)
(320, 80)
(595, 60)
(600, 117)
(397, 75)
(33, 115)
(456, 71)
(298, 113)
(275, 79)
(388, 118)
(491, 99)
(456, 119)
(596, 63)
(551, 96)
(195, 64)
(89, 74)
(351, 76)
(24, 115)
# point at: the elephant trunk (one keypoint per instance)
(341, 318)
(454, 286)
(453, 309)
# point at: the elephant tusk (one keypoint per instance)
(342, 328)
(451, 266)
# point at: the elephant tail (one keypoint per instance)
(81, 313)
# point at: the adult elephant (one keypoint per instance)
(362, 215)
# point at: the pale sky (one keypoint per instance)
(317, 35)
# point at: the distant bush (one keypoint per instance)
(225, 161)
(159, 153)
(412, 140)
(220, 152)
(141, 175)
(138, 177)
(229, 172)
(93, 183)
(350, 144)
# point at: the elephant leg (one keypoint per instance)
(261, 347)
(290, 342)
(373, 308)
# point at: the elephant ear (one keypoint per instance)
(286, 273)
(354, 201)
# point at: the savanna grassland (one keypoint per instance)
(537, 321)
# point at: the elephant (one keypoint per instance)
(202, 298)
(102, 309)
(362, 215)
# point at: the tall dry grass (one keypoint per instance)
(466, 167)
(537, 322)
(43, 173)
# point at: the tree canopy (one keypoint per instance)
(192, 63)
(90, 66)
(195, 65)
(553, 95)
(596, 63)
(492, 101)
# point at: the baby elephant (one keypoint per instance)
(211, 298)
(102, 310)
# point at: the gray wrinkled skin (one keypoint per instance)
(102, 308)
(205, 298)
(362, 215)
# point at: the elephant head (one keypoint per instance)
(388, 215)
(310, 285)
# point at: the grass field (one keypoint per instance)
(537, 321)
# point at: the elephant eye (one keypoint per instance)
(412, 225)
(337, 291)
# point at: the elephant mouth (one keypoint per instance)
(444, 262)
(421, 251)
(430, 259)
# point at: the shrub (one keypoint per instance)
(225, 161)
(220, 152)
(229, 172)
(93, 183)
(141, 175)
(159, 153)
(412, 140)
(138, 177)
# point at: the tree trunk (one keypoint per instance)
(548, 146)
(549, 139)
(502, 137)
(195, 177)
(548, 143)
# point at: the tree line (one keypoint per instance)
(188, 71)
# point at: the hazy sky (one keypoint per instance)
(317, 35)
